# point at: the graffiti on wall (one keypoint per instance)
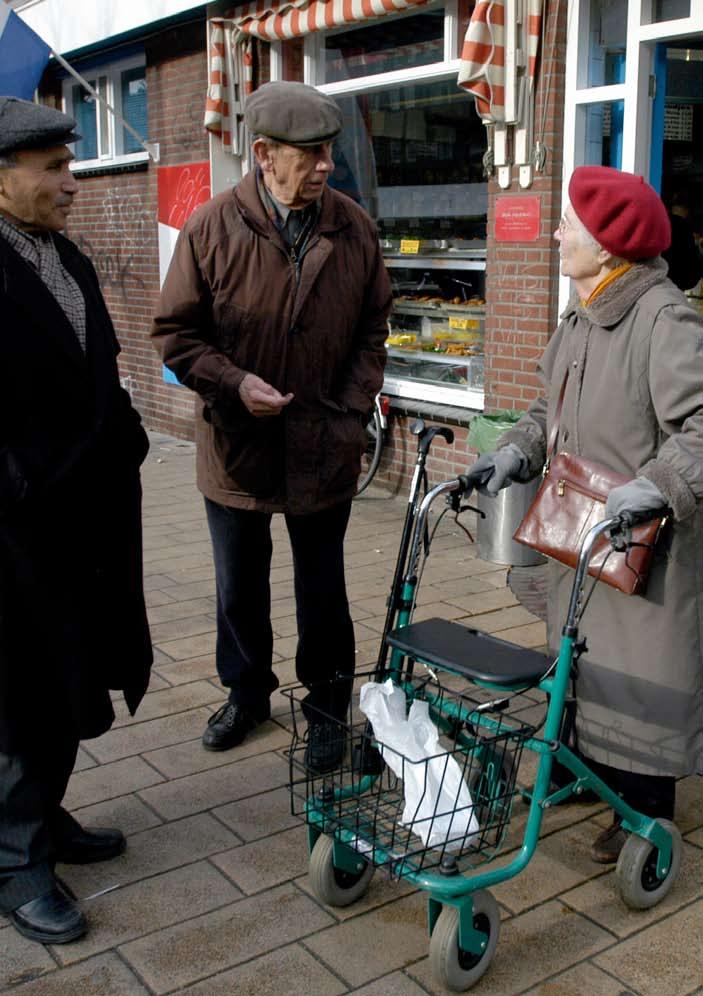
(125, 216)
(116, 269)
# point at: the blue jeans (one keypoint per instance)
(242, 548)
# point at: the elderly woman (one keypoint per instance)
(633, 349)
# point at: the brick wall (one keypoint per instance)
(114, 220)
(522, 278)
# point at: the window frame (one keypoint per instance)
(636, 92)
(111, 137)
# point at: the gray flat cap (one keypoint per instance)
(24, 125)
(293, 113)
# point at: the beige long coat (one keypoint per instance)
(634, 401)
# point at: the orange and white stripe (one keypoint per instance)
(483, 60)
(482, 71)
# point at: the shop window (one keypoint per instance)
(411, 152)
(415, 40)
(413, 156)
(671, 10)
(603, 133)
(105, 142)
(608, 37)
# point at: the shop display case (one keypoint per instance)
(435, 343)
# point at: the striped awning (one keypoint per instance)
(483, 57)
(230, 57)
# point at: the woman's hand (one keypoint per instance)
(494, 471)
(638, 495)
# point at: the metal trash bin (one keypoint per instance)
(504, 513)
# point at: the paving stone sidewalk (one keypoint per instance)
(212, 895)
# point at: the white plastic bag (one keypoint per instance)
(438, 805)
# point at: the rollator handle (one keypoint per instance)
(427, 435)
(628, 519)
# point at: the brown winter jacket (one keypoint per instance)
(232, 303)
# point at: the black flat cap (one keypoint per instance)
(293, 113)
(24, 125)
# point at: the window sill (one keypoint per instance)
(121, 164)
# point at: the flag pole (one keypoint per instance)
(151, 147)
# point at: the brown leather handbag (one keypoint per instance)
(570, 500)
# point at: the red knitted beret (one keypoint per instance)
(622, 212)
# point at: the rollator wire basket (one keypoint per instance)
(361, 802)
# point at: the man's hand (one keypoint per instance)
(260, 398)
(497, 470)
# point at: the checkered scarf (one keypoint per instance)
(41, 253)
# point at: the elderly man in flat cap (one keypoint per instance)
(628, 356)
(274, 311)
(72, 617)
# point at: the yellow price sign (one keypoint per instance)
(410, 247)
(463, 323)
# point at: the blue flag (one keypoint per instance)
(23, 56)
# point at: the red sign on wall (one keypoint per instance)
(518, 219)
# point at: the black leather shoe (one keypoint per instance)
(325, 748)
(52, 918)
(230, 724)
(83, 847)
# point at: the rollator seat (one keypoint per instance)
(470, 653)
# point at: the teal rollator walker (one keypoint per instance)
(439, 819)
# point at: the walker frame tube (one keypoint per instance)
(456, 890)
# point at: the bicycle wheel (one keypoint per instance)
(372, 455)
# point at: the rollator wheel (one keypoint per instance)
(456, 969)
(636, 870)
(334, 886)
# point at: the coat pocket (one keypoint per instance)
(344, 442)
(251, 453)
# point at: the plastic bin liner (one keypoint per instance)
(485, 430)
(438, 806)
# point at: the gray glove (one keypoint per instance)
(497, 470)
(638, 495)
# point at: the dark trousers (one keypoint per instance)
(32, 786)
(652, 795)
(242, 549)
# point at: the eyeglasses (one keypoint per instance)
(564, 225)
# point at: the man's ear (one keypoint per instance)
(262, 154)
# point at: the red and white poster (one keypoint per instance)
(181, 189)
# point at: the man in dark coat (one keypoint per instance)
(274, 310)
(72, 617)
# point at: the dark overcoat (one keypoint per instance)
(72, 617)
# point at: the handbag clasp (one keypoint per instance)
(561, 488)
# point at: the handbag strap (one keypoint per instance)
(554, 431)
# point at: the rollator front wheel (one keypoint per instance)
(456, 969)
(636, 870)
(334, 886)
